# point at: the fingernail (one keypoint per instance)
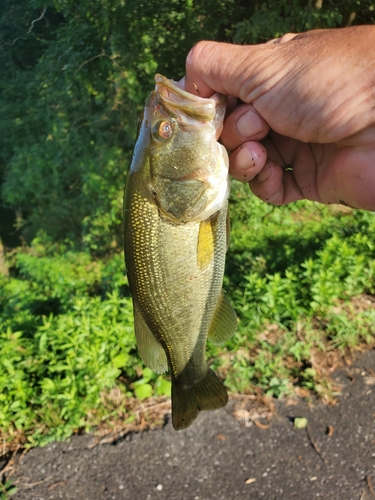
(244, 159)
(249, 124)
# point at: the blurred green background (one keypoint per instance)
(74, 77)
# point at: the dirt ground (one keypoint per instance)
(225, 458)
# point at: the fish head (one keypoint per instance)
(188, 168)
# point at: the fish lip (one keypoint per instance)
(162, 81)
(185, 106)
(200, 108)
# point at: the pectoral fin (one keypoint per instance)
(150, 350)
(224, 322)
(205, 247)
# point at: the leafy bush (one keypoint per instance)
(292, 273)
(66, 335)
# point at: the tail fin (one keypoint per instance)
(208, 394)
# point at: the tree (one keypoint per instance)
(75, 76)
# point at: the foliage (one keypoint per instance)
(273, 19)
(66, 336)
(74, 78)
(292, 273)
(69, 114)
(7, 489)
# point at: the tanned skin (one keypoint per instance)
(305, 125)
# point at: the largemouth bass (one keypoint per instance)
(176, 233)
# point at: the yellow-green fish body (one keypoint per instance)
(176, 234)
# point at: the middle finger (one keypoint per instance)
(243, 124)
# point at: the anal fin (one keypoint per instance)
(224, 322)
(150, 350)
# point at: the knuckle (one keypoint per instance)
(196, 51)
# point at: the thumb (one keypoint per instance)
(216, 67)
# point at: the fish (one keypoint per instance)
(176, 233)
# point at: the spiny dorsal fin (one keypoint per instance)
(224, 322)
(150, 350)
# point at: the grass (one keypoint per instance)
(301, 278)
(7, 490)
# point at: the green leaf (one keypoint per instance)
(163, 387)
(300, 422)
(143, 391)
(120, 360)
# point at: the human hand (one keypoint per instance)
(310, 100)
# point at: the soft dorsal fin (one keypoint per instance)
(150, 350)
(224, 321)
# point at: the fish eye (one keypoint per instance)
(163, 130)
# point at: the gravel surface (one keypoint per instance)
(221, 458)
